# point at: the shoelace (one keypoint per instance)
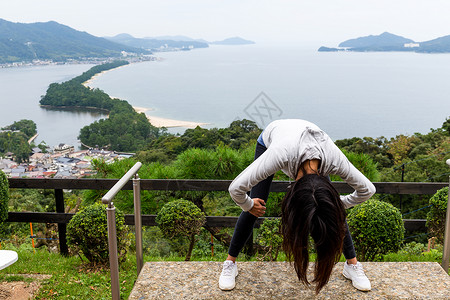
(227, 269)
(358, 269)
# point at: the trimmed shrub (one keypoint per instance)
(436, 215)
(270, 237)
(377, 228)
(87, 233)
(181, 218)
(4, 197)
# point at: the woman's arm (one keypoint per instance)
(271, 161)
(364, 188)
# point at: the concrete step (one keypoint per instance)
(277, 280)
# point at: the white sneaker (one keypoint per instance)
(228, 275)
(356, 274)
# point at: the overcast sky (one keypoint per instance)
(322, 22)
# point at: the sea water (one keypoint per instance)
(21, 89)
(347, 94)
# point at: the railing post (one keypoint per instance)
(59, 198)
(112, 235)
(113, 257)
(446, 251)
(138, 222)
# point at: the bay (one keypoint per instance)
(20, 91)
(347, 94)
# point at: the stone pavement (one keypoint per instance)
(277, 280)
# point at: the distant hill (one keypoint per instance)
(385, 39)
(391, 42)
(156, 44)
(51, 40)
(439, 45)
(233, 41)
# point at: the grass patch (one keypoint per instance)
(71, 278)
(13, 278)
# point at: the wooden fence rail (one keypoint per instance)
(62, 218)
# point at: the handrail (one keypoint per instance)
(112, 234)
(446, 250)
(119, 185)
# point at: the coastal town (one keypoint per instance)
(60, 162)
(130, 57)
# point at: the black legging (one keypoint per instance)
(246, 221)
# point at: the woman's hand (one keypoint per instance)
(259, 207)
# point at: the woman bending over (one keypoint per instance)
(311, 207)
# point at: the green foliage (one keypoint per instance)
(26, 200)
(413, 248)
(270, 237)
(437, 214)
(4, 197)
(446, 126)
(222, 163)
(181, 218)
(377, 228)
(375, 148)
(16, 140)
(27, 127)
(237, 136)
(73, 93)
(87, 232)
(362, 162)
(51, 40)
(124, 129)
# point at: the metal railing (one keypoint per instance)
(446, 250)
(112, 235)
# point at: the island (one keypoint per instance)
(233, 41)
(391, 42)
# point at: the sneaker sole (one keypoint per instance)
(227, 288)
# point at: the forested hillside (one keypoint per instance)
(123, 130)
(14, 138)
(51, 40)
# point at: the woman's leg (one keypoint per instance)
(246, 221)
(348, 248)
(353, 270)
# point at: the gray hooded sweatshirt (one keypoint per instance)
(289, 143)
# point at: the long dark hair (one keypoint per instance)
(312, 207)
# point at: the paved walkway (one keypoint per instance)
(277, 280)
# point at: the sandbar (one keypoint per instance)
(168, 123)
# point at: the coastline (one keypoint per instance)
(168, 123)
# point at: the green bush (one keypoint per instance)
(87, 233)
(4, 197)
(436, 215)
(377, 228)
(181, 218)
(270, 237)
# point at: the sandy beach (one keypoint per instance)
(163, 122)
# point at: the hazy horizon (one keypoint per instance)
(265, 22)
